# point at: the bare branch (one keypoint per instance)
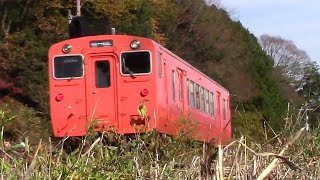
(25, 8)
(3, 20)
(195, 18)
(286, 56)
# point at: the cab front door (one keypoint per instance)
(101, 105)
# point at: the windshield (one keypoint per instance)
(65, 67)
(135, 63)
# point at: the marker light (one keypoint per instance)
(144, 92)
(59, 97)
(135, 44)
(66, 48)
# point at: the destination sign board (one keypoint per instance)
(101, 43)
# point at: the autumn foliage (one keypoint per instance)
(201, 34)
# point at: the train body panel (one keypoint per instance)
(127, 83)
(185, 107)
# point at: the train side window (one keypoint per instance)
(206, 95)
(202, 100)
(159, 64)
(173, 86)
(197, 96)
(224, 109)
(135, 63)
(211, 103)
(102, 72)
(191, 90)
(67, 67)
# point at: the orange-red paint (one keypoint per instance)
(76, 103)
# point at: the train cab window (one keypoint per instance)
(197, 96)
(133, 63)
(66, 67)
(173, 85)
(224, 113)
(202, 99)
(211, 103)
(191, 96)
(102, 73)
(206, 97)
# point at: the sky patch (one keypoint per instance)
(294, 20)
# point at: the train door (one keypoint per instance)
(166, 90)
(218, 118)
(101, 105)
(181, 86)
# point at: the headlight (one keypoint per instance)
(66, 48)
(135, 44)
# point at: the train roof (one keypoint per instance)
(189, 65)
(155, 43)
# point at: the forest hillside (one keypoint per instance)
(274, 89)
(202, 34)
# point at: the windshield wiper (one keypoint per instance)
(126, 69)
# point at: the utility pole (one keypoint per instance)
(70, 16)
(78, 8)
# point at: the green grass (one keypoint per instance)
(144, 156)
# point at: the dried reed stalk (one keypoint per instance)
(274, 163)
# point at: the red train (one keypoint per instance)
(109, 81)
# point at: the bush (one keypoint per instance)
(19, 121)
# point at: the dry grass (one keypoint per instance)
(173, 159)
(288, 161)
(292, 154)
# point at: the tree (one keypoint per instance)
(309, 86)
(309, 89)
(27, 29)
(296, 67)
(202, 34)
(287, 57)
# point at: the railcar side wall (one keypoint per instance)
(184, 93)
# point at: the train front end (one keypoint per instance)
(101, 83)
